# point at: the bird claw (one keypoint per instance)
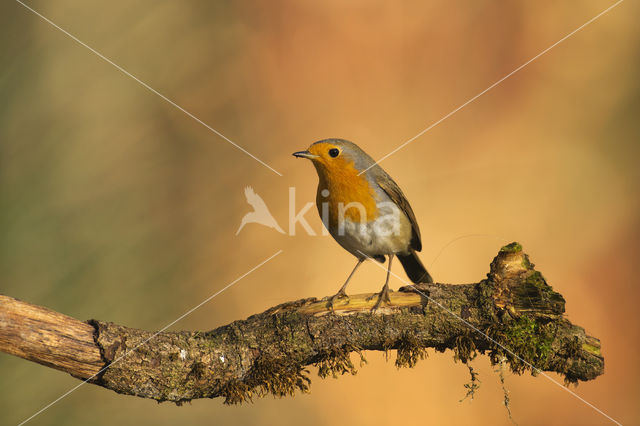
(339, 295)
(383, 296)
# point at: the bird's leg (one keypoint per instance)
(341, 292)
(383, 296)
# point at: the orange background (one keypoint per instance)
(115, 205)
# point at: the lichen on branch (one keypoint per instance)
(513, 316)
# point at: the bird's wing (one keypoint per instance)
(394, 192)
(249, 193)
(254, 199)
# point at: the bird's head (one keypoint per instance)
(336, 156)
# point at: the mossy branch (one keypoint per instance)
(513, 316)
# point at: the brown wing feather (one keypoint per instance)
(394, 192)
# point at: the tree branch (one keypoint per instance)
(512, 316)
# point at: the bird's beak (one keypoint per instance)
(304, 154)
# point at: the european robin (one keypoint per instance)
(365, 211)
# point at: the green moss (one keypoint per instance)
(410, 351)
(595, 350)
(511, 248)
(338, 362)
(277, 377)
(525, 337)
(473, 385)
(517, 248)
(464, 348)
(235, 392)
(281, 377)
(537, 280)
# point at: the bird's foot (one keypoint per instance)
(339, 295)
(383, 297)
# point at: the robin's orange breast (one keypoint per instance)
(348, 193)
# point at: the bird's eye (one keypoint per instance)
(334, 152)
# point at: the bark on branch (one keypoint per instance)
(512, 316)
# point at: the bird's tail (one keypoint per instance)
(414, 268)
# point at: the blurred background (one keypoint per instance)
(115, 205)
